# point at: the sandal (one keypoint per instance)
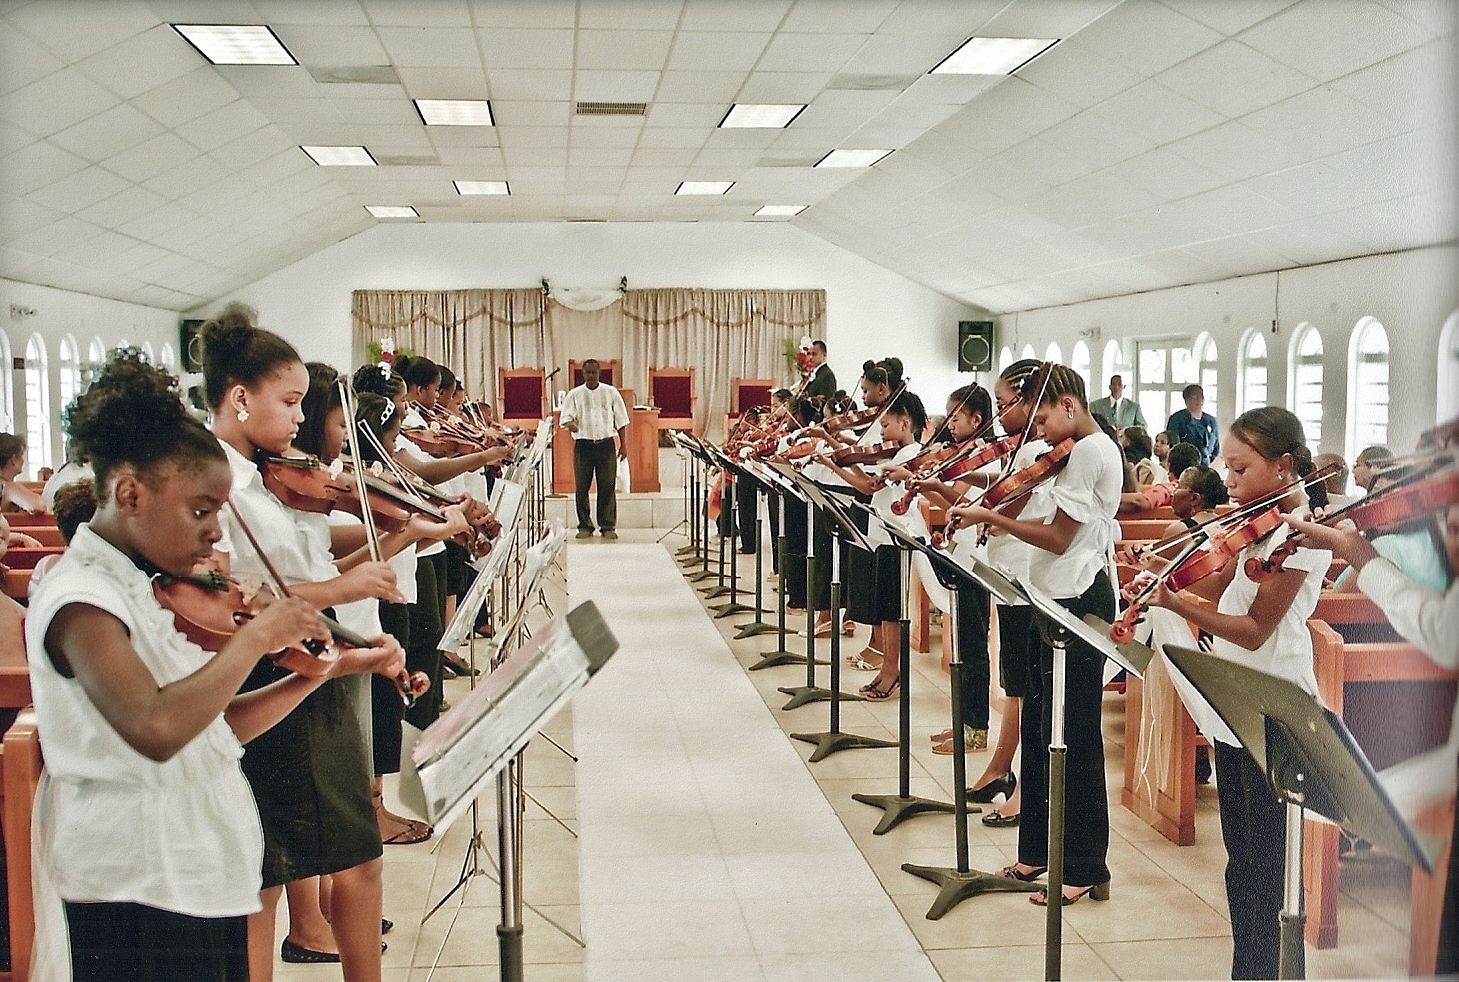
(1014, 873)
(860, 662)
(848, 628)
(413, 833)
(871, 693)
(1095, 891)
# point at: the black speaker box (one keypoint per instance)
(974, 346)
(191, 346)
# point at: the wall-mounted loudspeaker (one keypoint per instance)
(191, 346)
(974, 346)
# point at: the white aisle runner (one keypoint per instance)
(707, 851)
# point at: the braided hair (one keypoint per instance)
(133, 415)
(1063, 381)
(909, 405)
(975, 399)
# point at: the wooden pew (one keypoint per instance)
(17, 583)
(27, 558)
(1142, 529)
(1426, 895)
(20, 772)
(46, 535)
(25, 519)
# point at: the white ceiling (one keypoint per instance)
(1158, 143)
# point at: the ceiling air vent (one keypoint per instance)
(872, 83)
(612, 108)
(407, 160)
(355, 75)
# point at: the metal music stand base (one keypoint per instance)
(828, 743)
(731, 609)
(804, 695)
(897, 809)
(955, 886)
(756, 628)
(772, 659)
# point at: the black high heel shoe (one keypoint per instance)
(1000, 785)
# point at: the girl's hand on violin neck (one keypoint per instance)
(1344, 542)
(283, 622)
(385, 657)
(897, 473)
(968, 515)
(456, 523)
(370, 580)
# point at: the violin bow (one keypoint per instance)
(372, 534)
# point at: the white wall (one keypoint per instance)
(59, 313)
(1411, 293)
(871, 312)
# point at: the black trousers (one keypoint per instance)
(1254, 829)
(426, 628)
(1086, 803)
(386, 708)
(115, 941)
(972, 651)
(1015, 641)
(1448, 963)
(596, 460)
(796, 537)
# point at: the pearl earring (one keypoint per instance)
(243, 415)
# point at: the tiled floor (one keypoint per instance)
(711, 849)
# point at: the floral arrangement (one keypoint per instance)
(798, 356)
(383, 353)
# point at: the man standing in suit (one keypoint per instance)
(1120, 412)
(822, 384)
(1195, 426)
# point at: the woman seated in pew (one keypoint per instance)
(1137, 447)
(15, 496)
(1426, 618)
(1416, 547)
(1262, 625)
(138, 723)
(1181, 458)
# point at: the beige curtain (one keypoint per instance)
(473, 332)
(577, 334)
(723, 334)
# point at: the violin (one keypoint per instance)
(1017, 484)
(952, 467)
(856, 454)
(1413, 497)
(209, 608)
(1195, 564)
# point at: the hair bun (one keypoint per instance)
(131, 412)
(225, 335)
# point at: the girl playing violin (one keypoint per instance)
(903, 420)
(310, 774)
(138, 723)
(1264, 626)
(1067, 561)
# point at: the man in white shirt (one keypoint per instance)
(593, 412)
(1120, 412)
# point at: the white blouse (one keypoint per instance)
(289, 537)
(1088, 491)
(1008, 552)
(182, 835)
(881, 501)
(404, 445)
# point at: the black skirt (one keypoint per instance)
(310, 774)
(112, 941)
(887, 598)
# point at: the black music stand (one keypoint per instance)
(1313, 763)
(958, 883)
(786, 489)
(834, 739)
(903, 805)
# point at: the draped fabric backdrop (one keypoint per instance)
(723, 334)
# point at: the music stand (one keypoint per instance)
(1059, 625)
(958, 883)
(736, 486)
(833, 740)
(1313, 763)
(763, 478)
(786, 489)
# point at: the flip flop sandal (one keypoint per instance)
(413, 833)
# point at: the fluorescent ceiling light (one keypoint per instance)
(761, 117)
(236, 44)
(340, 156)
(704, 187)
(851, 158)
(454, 112)
(780, 211)
(392, 211)
(993, 56)
(481, 187)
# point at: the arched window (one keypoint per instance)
(1205, 352)
(1251, 372)
(1304, 382)
(1110, 364)
(1028, 352)
(70, 370)
(7, 417)
(37, 407)
(1005, 358)
(168, 359)
(1053, 354)
(95, 361)
(1367, 387)
(147, 352)
(1447, 406)
(1081, 366)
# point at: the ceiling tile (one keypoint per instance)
(418, 13)
(340, 12)
(187, 177)
(1017, 103)
(1228, 16)
(614, 86)
(55, 102)
(810, 52)
(431, 47)
(222, 125)
(600, 136)
(119, 128)
(743, 15)
(779, 88)
(629, 14)
(1441, 18)
(145, 161)
(197, 92)
(673, 136)
(527, 85)
(1167, 176)
(1413, 89)
(1156, 113)
(142, 62)
(79, 190)
(619, 49)
(817, 16)
(1234, 79)
(22, 61)
(532, 137)
(963, 17)
(377, 112)
(1036, 19)
(700, 87)
(702, 116)
(1328, 41)
(332, 44)
(895, 54)
(1146, 38)
(701, 51)
(1238, 152)
(37, 165)
(270, 81)
(1323, 119)
(1079, 75)
(75, 32)
(510, 113)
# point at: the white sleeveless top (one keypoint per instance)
(181, 836)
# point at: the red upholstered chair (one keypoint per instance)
(607, 372)
(747, 393)
(672, 391)
(521, 395)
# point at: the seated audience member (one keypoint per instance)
(1363, 466)
(75, 504)
(15, 496)
(1181, 457)
(1415, 547)
(1160, 450)
(1138, 448)
(14, 539)
(1337, 484)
